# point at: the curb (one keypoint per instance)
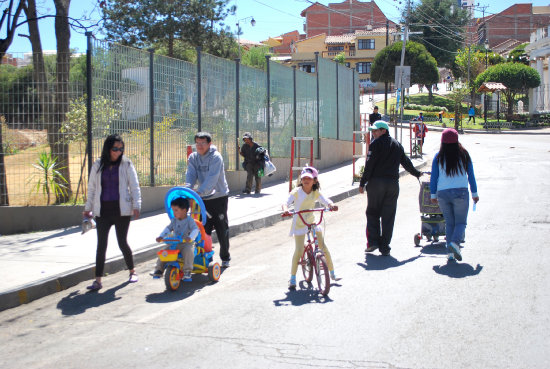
(36, 290)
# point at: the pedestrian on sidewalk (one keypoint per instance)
(205, 167)
(381, 179)
(471, 114)
(374, 116)
(253, 162)
(420, 128)
(304, 197)
(113, 197)
(452, 170)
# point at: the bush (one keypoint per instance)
(426, 108)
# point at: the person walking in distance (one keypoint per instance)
(452, 171)
(113, 197)
(381, 180)
(374, 116)
(471, 114)
(205, 167)
(251, 163)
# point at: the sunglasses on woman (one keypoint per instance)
(115, 149)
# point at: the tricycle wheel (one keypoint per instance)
(417, 238)
(172, 278)
(214, 271)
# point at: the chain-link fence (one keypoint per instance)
(156, 104)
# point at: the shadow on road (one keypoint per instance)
(457, 270)
(305, 293)
(77, 303)
(185, 290)
(436, 248)
(379, 262)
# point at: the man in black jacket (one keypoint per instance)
(374, 116)
(381, 178)
(252, 163)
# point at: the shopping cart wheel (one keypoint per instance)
(417, 238)
(436, 239)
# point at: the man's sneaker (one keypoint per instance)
(246, 192)
(371, 248)
(225, 264)
(187, 276)
(157, 274)
(455, 249)
(292, 283)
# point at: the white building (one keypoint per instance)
(539, 56)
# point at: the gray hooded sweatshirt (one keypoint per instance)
(209, 171)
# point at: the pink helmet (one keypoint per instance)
(309, 172)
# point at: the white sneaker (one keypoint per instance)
(455, 249)
(225, 264)
(187, 276)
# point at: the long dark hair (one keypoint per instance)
(106, 152)
(454, 158)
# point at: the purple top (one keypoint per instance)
(109, 184)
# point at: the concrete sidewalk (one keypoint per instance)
(37, 264)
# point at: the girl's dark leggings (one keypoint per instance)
(103, 225)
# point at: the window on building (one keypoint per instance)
(336, 48)
(363, 67)
(309, 68)
(365, 44)
(348, 64)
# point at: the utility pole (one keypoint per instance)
(401, 89)
(386, 83)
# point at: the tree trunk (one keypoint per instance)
(39, 70)
(55, 138)
(430, 94)
(11, 26)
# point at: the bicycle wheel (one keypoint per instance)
(307, 265)
(172, 278)
(322, 274)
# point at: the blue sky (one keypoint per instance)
(272, 18)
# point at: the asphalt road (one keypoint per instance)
(409, 310)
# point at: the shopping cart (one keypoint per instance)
(431, 218)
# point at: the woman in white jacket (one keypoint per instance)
(113, 197)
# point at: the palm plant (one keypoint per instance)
(50, 178)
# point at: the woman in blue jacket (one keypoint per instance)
(452, 170)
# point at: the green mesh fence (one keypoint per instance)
(282, 109)
(175, 92)
(252, 104)
(345, 102)
(327, 98)
(218, 105)
(306, 112)
(120, 101)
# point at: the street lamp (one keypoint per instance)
(486, 44)
(252, 23)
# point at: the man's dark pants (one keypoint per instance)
(217, 208)
(382, 194)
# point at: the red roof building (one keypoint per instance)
(341, 18)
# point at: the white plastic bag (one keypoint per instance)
(269, 168)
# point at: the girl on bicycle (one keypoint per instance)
(304, 197)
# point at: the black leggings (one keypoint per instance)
(103, 226)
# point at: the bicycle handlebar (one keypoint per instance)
(300, 212)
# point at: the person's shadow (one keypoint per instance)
(77, 303)
(380, 262)
(305, 293)
(457, 270)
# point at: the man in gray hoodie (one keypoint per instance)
(205, 166)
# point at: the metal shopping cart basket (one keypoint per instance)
(431, 217)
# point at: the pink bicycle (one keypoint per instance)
(313, 259)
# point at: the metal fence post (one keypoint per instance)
(337, 107)
(318, 108)
(268, 103)
(237, 107)
(152, 117)
(353, 99)
(294, 100)
(89, 116)
(199, 90)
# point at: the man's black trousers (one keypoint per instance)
(217, 208)
(382, 194)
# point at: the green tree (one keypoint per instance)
(255, 57)
(142, 23)
(517, 78)
(442, 25)
(49, 177)
(340, 58)
(423, 65)
(458, 96)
